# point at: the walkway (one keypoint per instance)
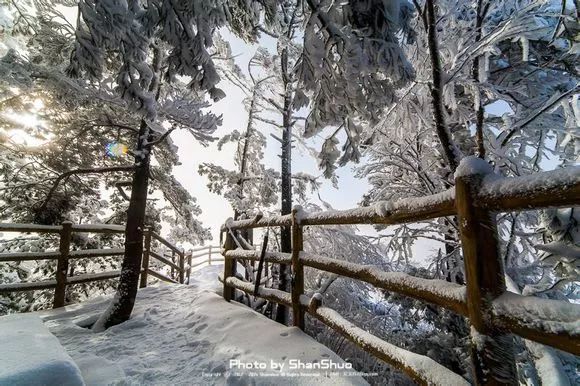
(187, 335)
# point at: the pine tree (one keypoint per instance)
(175, 108)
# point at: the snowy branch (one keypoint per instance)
(69, 173)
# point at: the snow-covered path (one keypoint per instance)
(187, 335)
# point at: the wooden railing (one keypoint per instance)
(493, 313)
(64, 255)
(205, 255)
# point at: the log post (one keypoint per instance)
(189, 254)
(181, 267)
(209, 256)
(229, 267)
(297, 270)
(173, 261)
(145, 260)
(492, 349)
(62, 265)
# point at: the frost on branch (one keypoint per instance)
(124, 32)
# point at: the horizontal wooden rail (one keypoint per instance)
(98, 228)
(270, 294)
(25, 228)
(258, 222)
(388, 212)
(199, 264)
(83, 253)
(421, 368)
(215, 247)
(37, 228)
(207, 262)
(90, 277)
(159, 238)
(547, 321)
(556, 188)
(271, 257)
(395, 212)
(160, 276)
(164, 260)
(29, 256)
(48, 284)
(199, 255)
(442, 293)
(30, 286)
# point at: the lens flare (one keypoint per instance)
(115, 149)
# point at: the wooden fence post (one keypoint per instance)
(145, 260)
(209, 256)
(297, 270)
(62, 265)
(181, 267)
(173, 261)
(492, 350)
(189, 254)
(229, 267)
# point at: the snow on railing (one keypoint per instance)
(442, 293)
(205, 255)
(492, 312)
(176, 261)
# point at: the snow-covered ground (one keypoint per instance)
(188, 335)
(31, 355)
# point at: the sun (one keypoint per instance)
(24, 124)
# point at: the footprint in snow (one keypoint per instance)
(201, 327)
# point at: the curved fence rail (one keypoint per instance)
(493, 313)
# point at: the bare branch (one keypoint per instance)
(268, 121)
(162, 137)
(69, 173)
(120, 185)
(449, 148)
(549, 105)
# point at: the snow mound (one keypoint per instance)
(471, 165)
(32, 356)
(188, 335)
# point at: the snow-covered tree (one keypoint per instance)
(252, 187)
(176, 108)
(508, 90)
(351, 64)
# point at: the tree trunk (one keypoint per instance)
(245, 233)
(121, 307)
(286, 234)
(479, 139)
(450, 151)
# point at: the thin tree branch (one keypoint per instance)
(162, 137)
(534, 116)
(475, 71)
(69, 173)
(449, 149)
(268, 121)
